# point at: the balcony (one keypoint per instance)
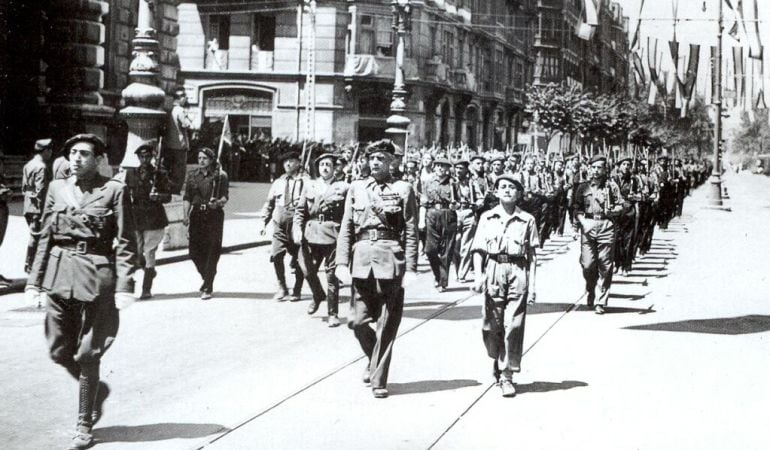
(436, 71)
(373, 67)
(239, 61)
(514, 95)
(261, 61)
(464, 80)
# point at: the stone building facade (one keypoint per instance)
(467, 64)
(65, 63)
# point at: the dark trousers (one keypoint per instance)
(206, 243)
(3, 219)
(440, 235)
(312, 257)
(380, 301)
(175, 163)
(625, 243)
(596, 251)
(282, 244)
(647, 220)
(33, 221)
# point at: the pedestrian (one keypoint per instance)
(377, 252)
(83, 267)
(438, 218)
(279, 208)
(597, 203)
(205, 194)
(176, 142)
(505, 264)
(316, 228)
(149, 188)
(34, 184)
(61, 167)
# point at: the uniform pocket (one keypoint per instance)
(51, 268)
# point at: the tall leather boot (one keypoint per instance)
(149, 275)
(283, 292)
(87, 396)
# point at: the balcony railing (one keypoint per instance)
(225, 60)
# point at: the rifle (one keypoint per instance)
(155, 180)
(354, 163)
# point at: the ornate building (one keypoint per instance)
(600, 63)
(467, 63)
(64, 64)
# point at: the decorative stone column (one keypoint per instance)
(143, 98)
(74, 56)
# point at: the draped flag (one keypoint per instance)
(761, 102)
(587, 27)
(739, 79)
(635, 40)
(713, 58)
(691, 76)
(639, 67)
(755, 42)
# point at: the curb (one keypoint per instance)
(19, 283)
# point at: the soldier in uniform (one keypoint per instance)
(378, 244)
(469, 202)
(316, 227)
(176, 142)
(646, 208)
(5, 192)
(438, 218)
(505, 264)
(61, 167)
(149, 189)
(205, 194)
(597, 203)
(281, 204)
(34, 183)
(666, 192)
(86, 278)
(631, 192)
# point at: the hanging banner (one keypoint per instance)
(691, 76)
(738, 77)
(635, 40)
(760, 102)
(587, 28)
(639, 67)
(755, 41)
(651, 63)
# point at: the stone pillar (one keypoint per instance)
(143, 98)
(74, 56)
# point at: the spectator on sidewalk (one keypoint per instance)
(34, 184)
(176, 143)
(205, 194)
(505, 264)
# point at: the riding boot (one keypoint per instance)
(149, 275)
(280, 275)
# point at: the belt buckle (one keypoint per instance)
(372, 234)
(321, 218)
(503, 259)
(81, 247)
(203, 207)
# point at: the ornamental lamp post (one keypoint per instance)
(398, 123)
(143, 98)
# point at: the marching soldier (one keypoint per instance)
(316, 227)
(666, 193)
(597, 203)
(505, 263)
(205, 194)
(149, 189)
(279, 208)
(561, 185)
(378, 244)
(647, 208)
(533, 189)
(86, 278)
(627, 223)
(438, 218)
(469, 201)
(34, 183)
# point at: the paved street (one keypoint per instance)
(679, 361)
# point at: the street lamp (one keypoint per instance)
(715, 181)
(398, 123)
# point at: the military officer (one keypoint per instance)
(281, 204)
(505, 264)
(85, 277)
(316, 227)
(377, 250)
(438, 218)
(149, 189)
(205, 194)
(597, 203)
(34, 183)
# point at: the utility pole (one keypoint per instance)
(715, 191)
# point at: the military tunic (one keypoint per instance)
(507, 242)
(78, 267)
(594, 202)
(626, 235)
(318, 215)
(34, 183)
(440, 199)
(378, 239)
(206, 222)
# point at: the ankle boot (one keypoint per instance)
(149, 275)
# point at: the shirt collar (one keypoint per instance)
(499, 211)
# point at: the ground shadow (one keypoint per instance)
(624, 310)
(17, 285)
(216, 295)
(631, 297)
(157, 432)
(547, 386)
(423, 387)
(726, 325)
(455, 313)
(416, 304)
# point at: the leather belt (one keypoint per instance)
(595, 216)
(325, 218)
(505, 259)
(374, 234)
(85, 247)
(204, 207)
(439, 206)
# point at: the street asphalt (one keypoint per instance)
(678, 362)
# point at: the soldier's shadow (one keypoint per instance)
(425, 386)
(220, 295)
(548, 386)
(157, 432)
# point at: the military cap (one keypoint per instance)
(381, 146)
(99, 146)
(512, 179)
(478, 156)
(442, 160)
(497, 157)
(42, 145)
(598, 158)
(147, 146)
(625, 158)
(208, 152)
(325, 155)
(289, 155)
(458, 162)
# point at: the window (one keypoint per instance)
(366, 36)
(448, 52)
(219, 29)
(461, 51)
(264, 32)
(384, 36)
